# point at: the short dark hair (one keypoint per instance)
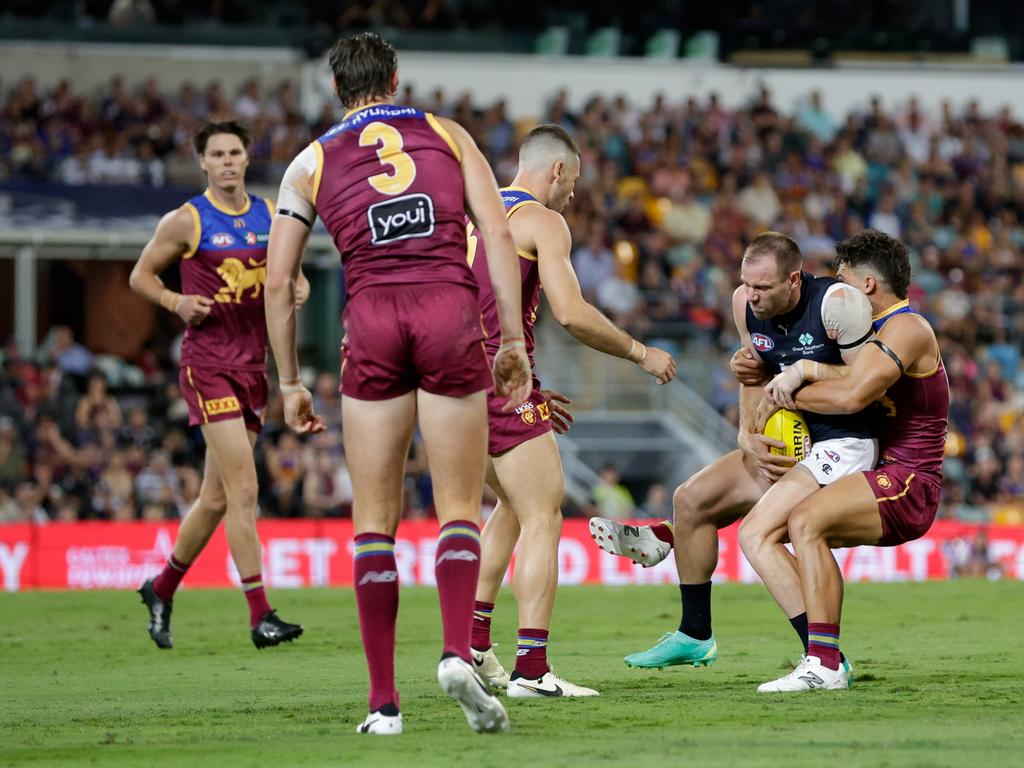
(885, 253)
(213, 127)
(783, 247)
(362, 65)
(550, 131)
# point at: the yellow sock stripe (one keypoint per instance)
(459, 530)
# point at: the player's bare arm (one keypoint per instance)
(542, 231)
(288, 236)
(173, 239)
(486, 211)
(302, 287)
(905, 338)
(751, 441)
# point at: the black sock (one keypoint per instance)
(800, 625)
(696, 610)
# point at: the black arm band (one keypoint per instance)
(858, 342)
(890, 353)
(294, 215)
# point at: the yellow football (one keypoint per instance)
(791, 428)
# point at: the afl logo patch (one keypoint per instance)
(761, 342)
(222, 240)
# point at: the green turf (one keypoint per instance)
(940, 683)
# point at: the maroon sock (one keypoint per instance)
(257, 598)
(481, 639)
(532, 653)
(166, 584)
(664, 532)
(456, 569)
(376, 579)
(823, 642)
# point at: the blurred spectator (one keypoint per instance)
(613, 499)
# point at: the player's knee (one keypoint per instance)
(750, 536)
(243, 492)
(687, 512)
(802, 526)
(213, 500)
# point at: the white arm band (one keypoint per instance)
(846, 314)
(293, 198)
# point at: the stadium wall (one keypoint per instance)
(525, 82)
(318, 553)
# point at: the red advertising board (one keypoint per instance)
(310, 553)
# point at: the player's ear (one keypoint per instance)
(394, 82)
(556, 170)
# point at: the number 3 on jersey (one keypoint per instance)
(389, 145)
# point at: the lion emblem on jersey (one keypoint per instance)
(238, 278)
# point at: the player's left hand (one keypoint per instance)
(299, 414)
(780, 389)
(561, 418)
(747, 368)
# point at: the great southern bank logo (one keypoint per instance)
(806, 339)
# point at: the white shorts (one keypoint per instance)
(830, 460)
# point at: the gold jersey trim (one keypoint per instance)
(197, 227)
(443, 133)
(318, 150)
(224, 209)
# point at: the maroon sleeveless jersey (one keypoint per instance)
(914, 413)
(514, 198)
(389, 189)
(228, 263)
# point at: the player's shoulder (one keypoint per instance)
(540, 221)
(907, 324)
(183, 219)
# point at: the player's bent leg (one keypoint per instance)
(377, 435)
(195, 531)
(231, 445)
(763, 533)
(844, 513)
(713, 498)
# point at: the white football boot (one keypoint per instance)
(381, 725)
(549, 685)
(810, 675)
(484, 713)
(489, 668)
(636, 542)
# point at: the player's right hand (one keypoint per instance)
(299, 414)
(660, 364)
(768, 466)
(561, 418)
(512, 376)
(194, 309)
(748, 368)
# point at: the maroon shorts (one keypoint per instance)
(404, 337)
(907, 502)
(525, 422)
(213, 394)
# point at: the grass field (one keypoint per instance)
(940, 682)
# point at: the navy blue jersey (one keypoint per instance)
(800, 333)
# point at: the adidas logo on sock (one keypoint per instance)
(457, 554)
(379, 577)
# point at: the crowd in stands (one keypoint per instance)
(669, 193)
